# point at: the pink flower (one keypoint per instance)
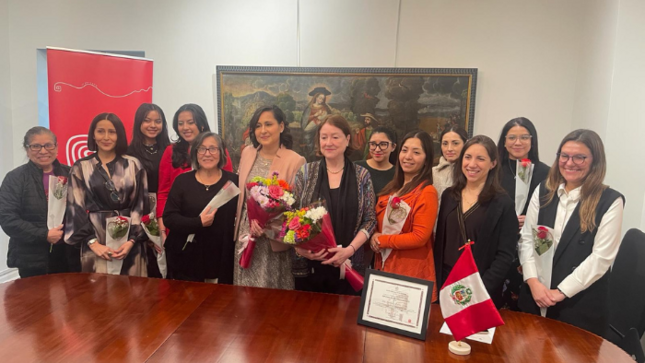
(542, 232)
(275, 191)
(294, 223)
(396, 202)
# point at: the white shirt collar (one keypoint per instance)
(573, 195)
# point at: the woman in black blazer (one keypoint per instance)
(476, 208)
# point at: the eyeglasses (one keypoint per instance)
(523, 138)
(381, 145)
(37, 147)
(202, 150)
(112, 188)
(577, 159)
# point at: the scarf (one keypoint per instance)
(344, 210)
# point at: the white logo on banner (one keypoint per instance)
(58, 88)
(77, 148)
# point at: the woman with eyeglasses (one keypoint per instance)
(521, 173)
(209, 257)
(188, 122)
(571, 236)
(149, 139)
(477, 209)
(382, 145)
(33, 248)
(104, 185)
(271, 152)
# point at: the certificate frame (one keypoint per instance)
(396, 303)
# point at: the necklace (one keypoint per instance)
(511, 169)
(337, 171)
(151, 149)
(207, 186)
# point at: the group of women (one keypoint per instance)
(544, 238)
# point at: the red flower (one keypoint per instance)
(251, 185)
(284, 185)
(62, 180)
(145, 219)
(396, 202)
(542, 232)
(525, 162)
(123, 219)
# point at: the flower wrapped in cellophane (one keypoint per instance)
(267, 199)
(310, 228)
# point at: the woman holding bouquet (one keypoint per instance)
(477, 209)
(188, 122)
(209, 257)
(522, 172)
(270, 265)
(102, 186)
(349, 196)
(406, 211)
(149, 139)
(571, 236)
(33, 247)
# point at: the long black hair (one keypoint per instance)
(528, 125)
(425, 174)
(492, 186)
(180, 156)
(121, 138)
(285, 137)
(137, 147)
(391, 135)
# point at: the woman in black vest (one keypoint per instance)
(476, 208)
(571, 237)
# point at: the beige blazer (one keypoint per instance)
(286, 163)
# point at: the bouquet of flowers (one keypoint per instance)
(228, 192)
(396, 213)
(523, 176)
(56, 202)
(150, 226)
(268, 198)
(524, 170)
(117, 229)
(310, 228)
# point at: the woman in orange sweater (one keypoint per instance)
(406, 212)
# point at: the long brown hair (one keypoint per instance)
(492, 186)
(425, 174)
(592, 186)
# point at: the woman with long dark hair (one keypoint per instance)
(104, 185)
(408, 252)
(271, 152)
(452, 140)
(149, 140)
(188, 122)
(521, 173)
(382, 147)
(571, 236)
(477, 209)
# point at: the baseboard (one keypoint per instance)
(9, 274)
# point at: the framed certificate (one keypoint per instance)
(396, 303)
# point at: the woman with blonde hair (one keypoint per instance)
(571, 236)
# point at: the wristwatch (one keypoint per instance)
(91, 242)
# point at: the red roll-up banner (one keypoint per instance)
(84, 84)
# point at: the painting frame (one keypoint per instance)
(248, 76)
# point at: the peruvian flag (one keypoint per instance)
(465, 304)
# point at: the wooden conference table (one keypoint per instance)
(104, 318)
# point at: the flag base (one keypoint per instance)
(459, 348)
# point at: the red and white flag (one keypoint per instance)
(465, 303)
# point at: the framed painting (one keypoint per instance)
(404, 99)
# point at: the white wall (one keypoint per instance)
(6, 142)
(626, 119)
(563, 64)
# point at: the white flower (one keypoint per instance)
(258, 193)
(288, 198)
(316, 213)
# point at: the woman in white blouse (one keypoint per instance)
(571, 237)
